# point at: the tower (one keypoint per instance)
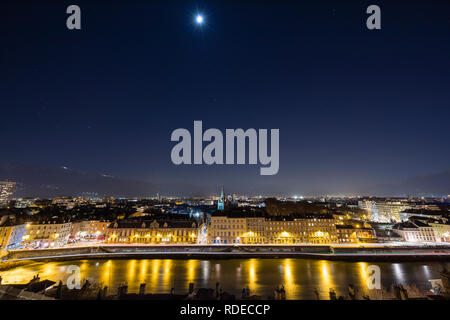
(6, 192)
(221, 201)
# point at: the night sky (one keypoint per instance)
(354, 107)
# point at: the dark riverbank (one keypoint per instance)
(8, 265)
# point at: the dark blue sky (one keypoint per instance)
(354, 107)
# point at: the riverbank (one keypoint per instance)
(8, 265)
(343, 253)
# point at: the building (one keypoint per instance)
(221, 202)
(79, 230)
(415, 231)
(47, 235)
(97, 229)
(441, 227)
(307, 228)
(355, 234)
(89, 230)
(339, 217)
(412, 213)
(346, 234)
(6, 192)
(226, 230)
(384, 233)
(384, 210)
(240, 229)
(256, 230)
(154, 232)
(441, 230)
(22, 203)
(5, 232)
(11, 236)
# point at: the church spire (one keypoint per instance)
(221, 202)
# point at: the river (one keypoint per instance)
(300, 277)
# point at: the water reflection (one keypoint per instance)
(398, 272)
(326, 277)
(299, 277)
(167, 274)
(239, 273)
(143, 271)
(252, 267)
(131, 271)
(155, 273)
(288, 277)
(191, 268)
(205, 272)
(105, 275)
(363, 276)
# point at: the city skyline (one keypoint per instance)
(51, 182)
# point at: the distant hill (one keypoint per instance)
(43, 182)
(430, 185)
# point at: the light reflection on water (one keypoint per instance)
(300, 277)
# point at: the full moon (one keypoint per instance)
(199, 19)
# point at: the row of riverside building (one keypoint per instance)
(220, 228)
(316, 229)
(50, 234)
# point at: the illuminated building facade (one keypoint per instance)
(154, 232)
(46, 235)
(11, 236)
(346, 234)
(221, 201)
(309, 228)
(97, 229)
(229, 230)
(354, 234)
(441, 230)
(256, 231)
(5, 232)
(384, 211)
(23, 203)
(415, 231)
(6, 192)
(233, 229)
(89, 229)
(441, 227)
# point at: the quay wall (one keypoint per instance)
(397, 253)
